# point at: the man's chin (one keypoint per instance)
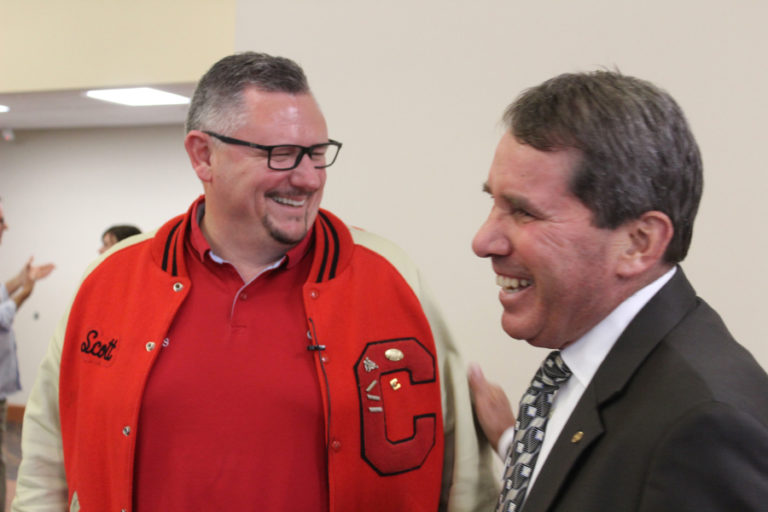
(289, 232)
(289, 237)
(517, 329)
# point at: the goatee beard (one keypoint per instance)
(283, 237)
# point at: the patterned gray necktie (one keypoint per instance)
(529, 431)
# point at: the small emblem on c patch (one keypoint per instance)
(369, 365)
(103, 351)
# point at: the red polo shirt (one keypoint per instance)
(231, 417)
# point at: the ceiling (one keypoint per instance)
(72, 109)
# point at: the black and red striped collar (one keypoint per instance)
(332, 248)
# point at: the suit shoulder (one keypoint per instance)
(708, 354)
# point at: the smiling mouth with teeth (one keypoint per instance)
(512, 284)
(289, 202)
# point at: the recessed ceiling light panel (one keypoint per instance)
(3, 108)
(138, 96)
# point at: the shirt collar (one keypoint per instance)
(201, 247)
(586, 354)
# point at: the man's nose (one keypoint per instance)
(490, 240)
(306, 175)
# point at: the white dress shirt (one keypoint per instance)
(584, 357)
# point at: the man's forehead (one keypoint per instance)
(254, 95)
(517, 161)
(282, 107)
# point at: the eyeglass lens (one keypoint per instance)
(288, 157)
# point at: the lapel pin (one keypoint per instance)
(577, 437)
(394, 354)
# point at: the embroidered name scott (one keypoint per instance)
(95, 347)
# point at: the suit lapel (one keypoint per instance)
(585, 427)
(566, 451)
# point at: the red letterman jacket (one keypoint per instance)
(378, 371)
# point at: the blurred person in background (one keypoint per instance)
(114, 234)
(13, 293)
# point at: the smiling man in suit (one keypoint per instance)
(646, 402)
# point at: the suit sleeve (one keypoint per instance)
(714, 459)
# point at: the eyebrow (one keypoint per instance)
(514, 202)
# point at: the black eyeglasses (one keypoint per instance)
(285, 157)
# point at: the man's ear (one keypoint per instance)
(644, 243)
(198, 146)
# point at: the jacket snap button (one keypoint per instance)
(314, 294)
(177, 287)
(336, 445)
(150, 346)
(126, 430)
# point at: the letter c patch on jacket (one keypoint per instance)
(396, 382)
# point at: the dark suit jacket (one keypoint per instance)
(675, 419)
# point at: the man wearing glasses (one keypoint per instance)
(254, 353)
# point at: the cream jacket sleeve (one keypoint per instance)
(41, 485)
(469, 483)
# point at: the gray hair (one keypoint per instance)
(637, 151)
(217, 101)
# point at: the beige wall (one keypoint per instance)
(415, 91)
(52, 45)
